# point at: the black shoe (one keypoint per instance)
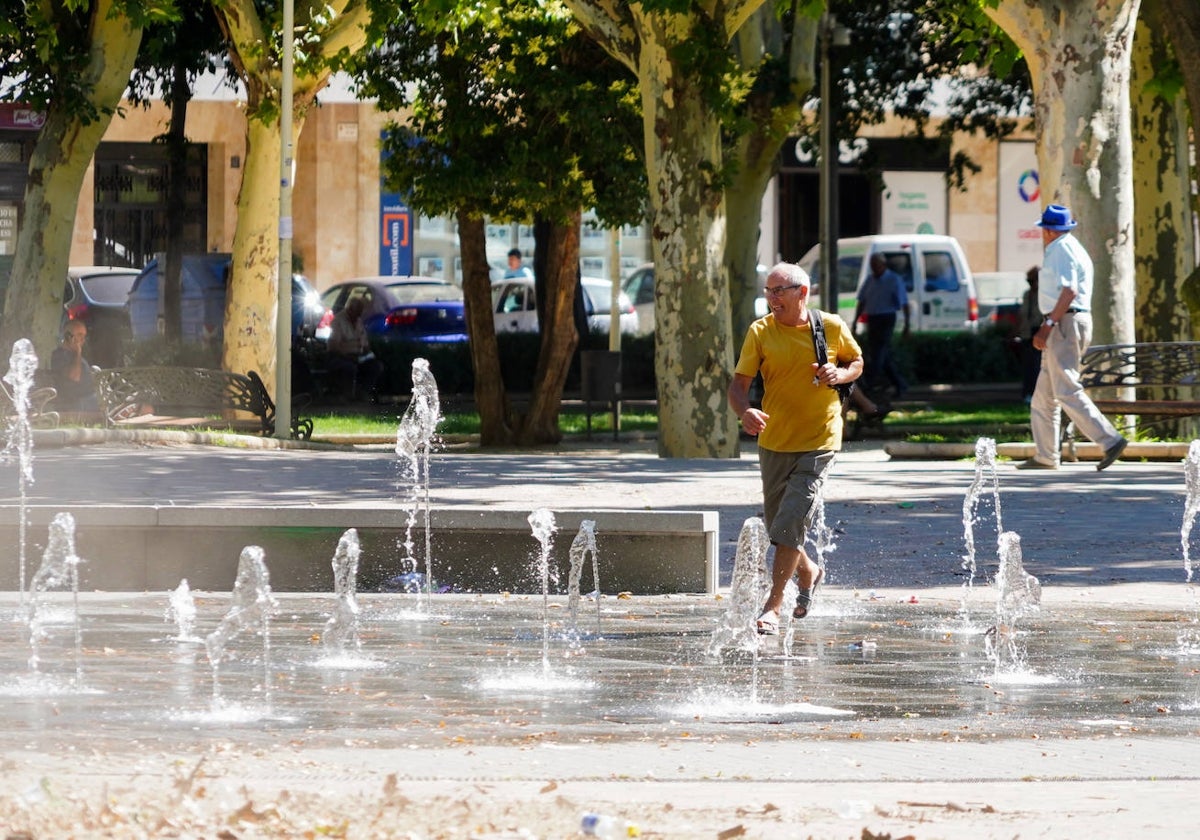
(1112, 454)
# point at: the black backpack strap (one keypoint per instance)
(822, 349)
(818, 335)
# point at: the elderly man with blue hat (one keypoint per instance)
(1065, 299)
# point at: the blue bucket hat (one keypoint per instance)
(1056, 217)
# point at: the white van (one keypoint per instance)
(941, 291)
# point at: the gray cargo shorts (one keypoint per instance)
(791, 482)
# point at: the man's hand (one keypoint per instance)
(827, 374)
(1039, 337)
(73, 341)
(754, 420)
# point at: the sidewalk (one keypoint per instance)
(899, 522)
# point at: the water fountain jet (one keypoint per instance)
(341, 630)
(22, 368)
(1018, 594)
(181, 609)
(59, 569)
(582, 546)
(415, 439)
(253, 605)
(985, 476)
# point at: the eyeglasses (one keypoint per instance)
(778, 290)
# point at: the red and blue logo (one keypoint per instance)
(1028, 186)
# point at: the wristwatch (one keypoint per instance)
(1049, 322)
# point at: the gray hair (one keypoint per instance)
(792, 273)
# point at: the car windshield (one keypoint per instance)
(108, 288)
(402, 293)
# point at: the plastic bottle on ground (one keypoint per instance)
(607, 827)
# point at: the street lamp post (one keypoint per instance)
(831, 35)
(283, 316)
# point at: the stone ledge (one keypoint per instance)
(142, 548)
(1150, 451)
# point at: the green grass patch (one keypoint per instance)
(467, 423)
(962, 423)
(1005, 414)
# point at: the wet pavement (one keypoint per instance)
(501, 716)
(493, 669)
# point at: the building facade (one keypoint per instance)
(341, 229)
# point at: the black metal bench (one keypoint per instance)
(38, 412)
(183, 397)
(1153, 379)
(1159, 380)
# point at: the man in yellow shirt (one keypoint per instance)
(799, 426)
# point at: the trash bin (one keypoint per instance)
(600, 381)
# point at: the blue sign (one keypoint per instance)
(395, 236)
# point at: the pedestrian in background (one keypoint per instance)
(883, 296)
(1030, 322)
(516, 268)
(1065, 299)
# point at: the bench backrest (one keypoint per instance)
(1151, 364)
(181, 391)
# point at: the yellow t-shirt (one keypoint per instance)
(802, 416)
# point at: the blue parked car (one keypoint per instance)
(420, 309)
(202, 301)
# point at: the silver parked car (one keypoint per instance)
(515, 307)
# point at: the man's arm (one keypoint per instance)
(1065, 296)
(753, 420)
(831, 374)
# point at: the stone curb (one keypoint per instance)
(61, 438)
(1148, 451)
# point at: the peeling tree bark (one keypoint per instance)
(693, 358)
(1182, 28)
(61, 156)
(1162, 191)
(756, 152)
(1078, 52)
(682, 138)
(252, 292)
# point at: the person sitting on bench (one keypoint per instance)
(353, 368)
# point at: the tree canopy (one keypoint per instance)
(72, 61)
(510, 113)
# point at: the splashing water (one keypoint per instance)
(415, 438)
(181, 609)
(1018, 594)
(341, 630)
(985, 468)
(1191, 472)
(544, 528)
(821, 534)
(59, 569)
(22, 367)
(252, 607)
(748, 589)
(583, 545)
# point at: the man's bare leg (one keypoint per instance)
(789, 561)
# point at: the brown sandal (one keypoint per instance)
(804, 600)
